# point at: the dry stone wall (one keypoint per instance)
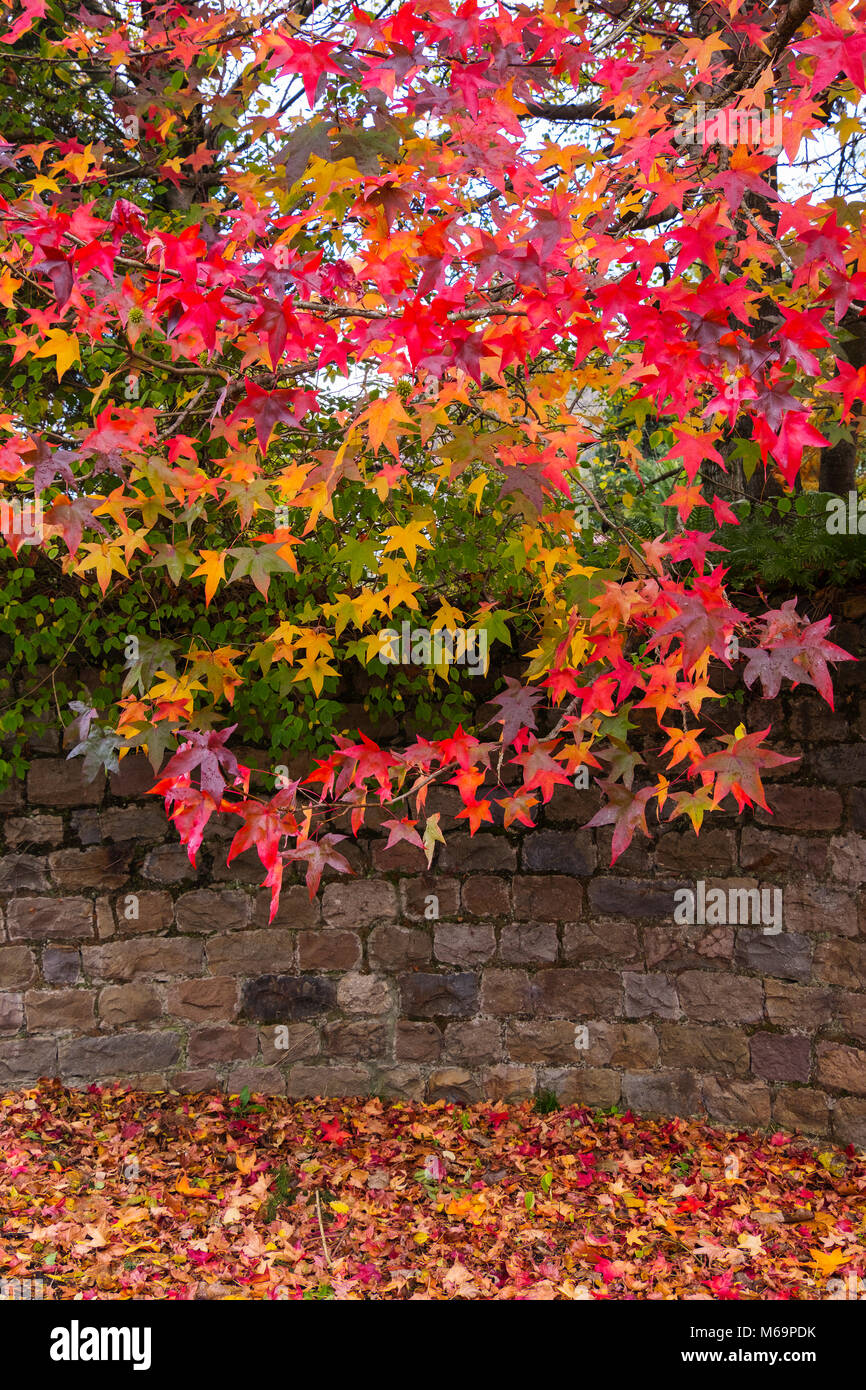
(520, 963)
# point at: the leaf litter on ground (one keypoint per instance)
(110, 1193)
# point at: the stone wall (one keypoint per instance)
(544, 970)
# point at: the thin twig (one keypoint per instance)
(322, 1230)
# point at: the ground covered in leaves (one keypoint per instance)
(108, 1193)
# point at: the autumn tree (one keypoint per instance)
(317, 322)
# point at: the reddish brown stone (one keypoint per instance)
(840, 963)
(802, 808)
(154, 956)
(506, 992)
(595, 1086)
(362, 1039)
(55, 1009)
(329, 949)
(416, 894)
(49, 919)
(134, 777)
(397, 948)
(508, 1083)
(483, 895)
(22, 873)
(259, 1081)
(711, 996)
(417, 1042)
(103, 866)
(779, 857)
(142, 823)
(296, 909)
(576, 993)
(528, 943)
(17, 966)
(478, 853)
(149, 911)
(649, 994)
(632, 1046)
(206, 910)
(21, 831)
(629, 898)
(737, 1103)
(58, 782)
(363, 994)
(841, 1067)
(168, 864)
(250, 952)
(119, 1004)
(477, 1040)
(401, 858)
(849, 1120)
(547, 898)
(686, 948)
(453, 1084)
(600, 942)
(799, 1107)
(541, 1040)
(11, 1013)
(464, 943)
(348, 1079)
(353, 905)
(222, 1045)
(661, 1093)
(213, 999)
(195, 1082)
(711, 853)
(290, 1042)
(780, 1057)
(797, 1006)
(572, 804)
(704, 1048)
(453, 994)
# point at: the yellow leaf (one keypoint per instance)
(213, 567)
(829, 1260)
(62, 346)
(8, 286)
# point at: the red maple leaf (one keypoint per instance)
(269, 408)
(737, 768)
(625, 811)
